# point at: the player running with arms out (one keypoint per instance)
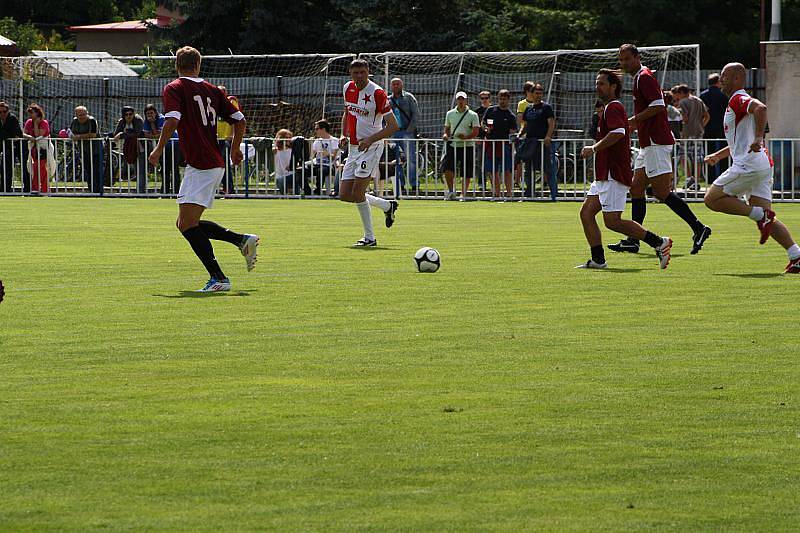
(752, 168)
(192, 106)
(613, 177)
(653, 166)
(366, 107)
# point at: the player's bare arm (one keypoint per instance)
(236, 143)
(170, 125)
(648, 113)
(759, 112)
(387, 131)
(719, 155)
(345, 132)
(609, 140)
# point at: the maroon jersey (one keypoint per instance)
(198, 105)
(615, 161)
(646, 93)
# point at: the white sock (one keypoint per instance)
(378, 202)
(793, 251)
(366, 220)
(757, 213)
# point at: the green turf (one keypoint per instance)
(338, 389)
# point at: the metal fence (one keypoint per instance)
(409, 168)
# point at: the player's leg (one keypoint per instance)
(591, 206)
(247, 243)
(638, 204)
(723, 196)
(188, 224)
(662, 191)
(779, 231)
(359, 190)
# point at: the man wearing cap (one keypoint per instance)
(461, 124)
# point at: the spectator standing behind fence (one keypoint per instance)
(406, 112)
(284, 167)
(461, 124)
(499, 123)
(695, 117)
(594, 128)
(82, 130)
(9, 129)
(486, 103)
(37, 132)
(716, 103)
(674, 116)
(324, 151)
(129, 129)
(538, 124)
(172, 157)
(224, 137)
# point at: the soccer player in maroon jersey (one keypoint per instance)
(613, 177)
(193, 106)
(653, 166)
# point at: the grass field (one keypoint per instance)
(339, 389)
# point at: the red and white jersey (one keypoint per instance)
(198, 105)
(365, 110)
(615, 161)
(740, 131)
(647, 93)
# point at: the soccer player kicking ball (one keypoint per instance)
(750, 174)
(653, 165)
(613, 177)
(192, 106)
(366, 107)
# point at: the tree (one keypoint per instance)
(29, 38)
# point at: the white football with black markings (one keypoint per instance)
(427, 260)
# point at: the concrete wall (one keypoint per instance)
(783, 86)
(115, 43)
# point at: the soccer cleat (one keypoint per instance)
(217, 285)
(365, 243)
(249, 249)
(591, 264)
(699, 238)
(390, 214)
(793, 267)
(625, 245)
(765, 225)
(663, 252)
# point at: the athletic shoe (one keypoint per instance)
(663, 252)
(390, 213)
(365, 243)
(249, 250)
(217, 285)
(793, 267)
(625, 245)
(765, 225)
(699, 238)
(591, 264)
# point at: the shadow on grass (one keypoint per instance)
(754, 275)
(195, 294)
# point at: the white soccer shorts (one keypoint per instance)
(200, 186)
(734, 182)
(362, 164)
(656, 160)
(611, 193)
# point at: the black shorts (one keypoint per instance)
(460, 160)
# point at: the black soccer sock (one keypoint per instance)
(204, 251)
(218, 233)
(681, 209)
(638, 212)
(598, 255)
(653, 240)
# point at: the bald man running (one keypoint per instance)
(750, 175)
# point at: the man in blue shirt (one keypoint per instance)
(406, 111)
(717, 103)
(539, 122)
(170, 172)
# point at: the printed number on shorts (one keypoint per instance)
(363, 165)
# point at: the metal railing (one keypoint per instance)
(483, 169)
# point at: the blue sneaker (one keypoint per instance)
(217, 285)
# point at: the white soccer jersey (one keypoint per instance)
(740, 131)
(365, 110)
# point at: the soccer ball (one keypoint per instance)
(427, 260)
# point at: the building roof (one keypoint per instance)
(5, 41)
(85, 64)
(128, 26)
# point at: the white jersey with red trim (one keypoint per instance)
(740, 131)
(365, 110)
